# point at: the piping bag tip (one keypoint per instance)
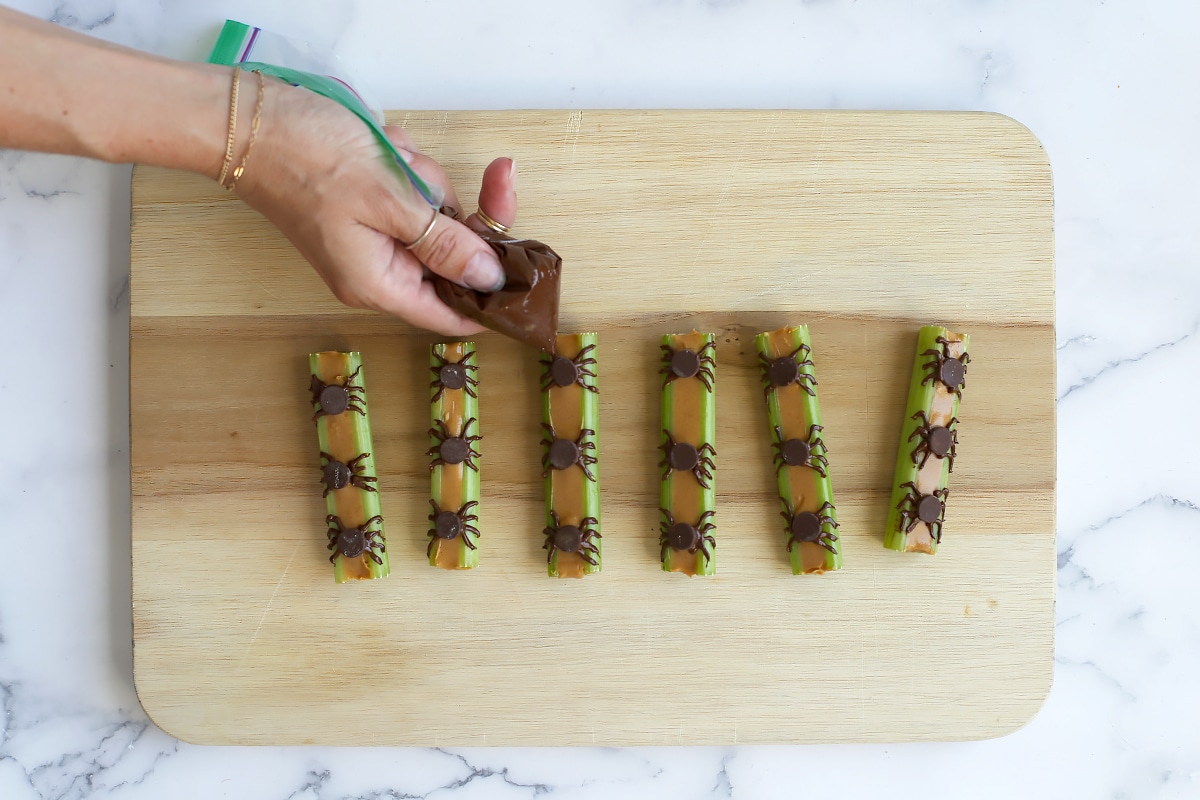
(526, 309)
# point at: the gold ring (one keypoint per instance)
(483, 217)
(428, 230)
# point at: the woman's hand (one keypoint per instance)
(319, 174)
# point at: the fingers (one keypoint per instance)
(453, 251)
(498, 195)
(431, 172)
(400, 138)
(404, 292)
(450, 248)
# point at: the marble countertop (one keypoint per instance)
(1110, 88)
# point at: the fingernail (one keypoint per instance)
(483, 273)
(406, 156)
(512, 172)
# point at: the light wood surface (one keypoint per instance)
(863, 225)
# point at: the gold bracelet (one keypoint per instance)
(233, 109)
(254, 123)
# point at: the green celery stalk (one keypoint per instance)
(705, 565)
(798, 426)
(927, 396)
(468, 404)
(352, 505)
(589, 416)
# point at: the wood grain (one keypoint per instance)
(864, 226)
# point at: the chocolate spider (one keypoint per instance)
(562, 453)
(453, 375)
(685, 363)
(451, 525)
(944, 368)
(684, 457)
(453, 449)
(936, 440)
(562, 371)
(332, 399)
(336, 475)
(809, 526)
(928, 508)
(572, 538)
(682, 536)
(785, 370)
(801, 452)
(353, 542)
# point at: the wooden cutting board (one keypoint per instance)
(863, 225)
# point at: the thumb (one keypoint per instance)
(455, 252)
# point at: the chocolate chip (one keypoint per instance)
(682, 536)
(683, 457)
(447, 525)
(453, 376)
(352, 542)
(563, 371)
(334, 399)
(939, 441)
(568, 539)
(929, 509)
(563, 453)
(795, 452)
(952, 373)
(685, 363)
(806, 527)
(454, 450)
(337, 475)
(783, 371)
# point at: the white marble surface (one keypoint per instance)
(1110, 88)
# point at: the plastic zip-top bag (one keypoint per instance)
(256, 50)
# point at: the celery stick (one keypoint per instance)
(928, 442)
(687, 495)
(570, 417)
(799, 452)
(347, 466)
(454, 485)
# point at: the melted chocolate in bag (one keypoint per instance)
(526, 309)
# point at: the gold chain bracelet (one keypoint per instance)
(233, 110)
(254, 123)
